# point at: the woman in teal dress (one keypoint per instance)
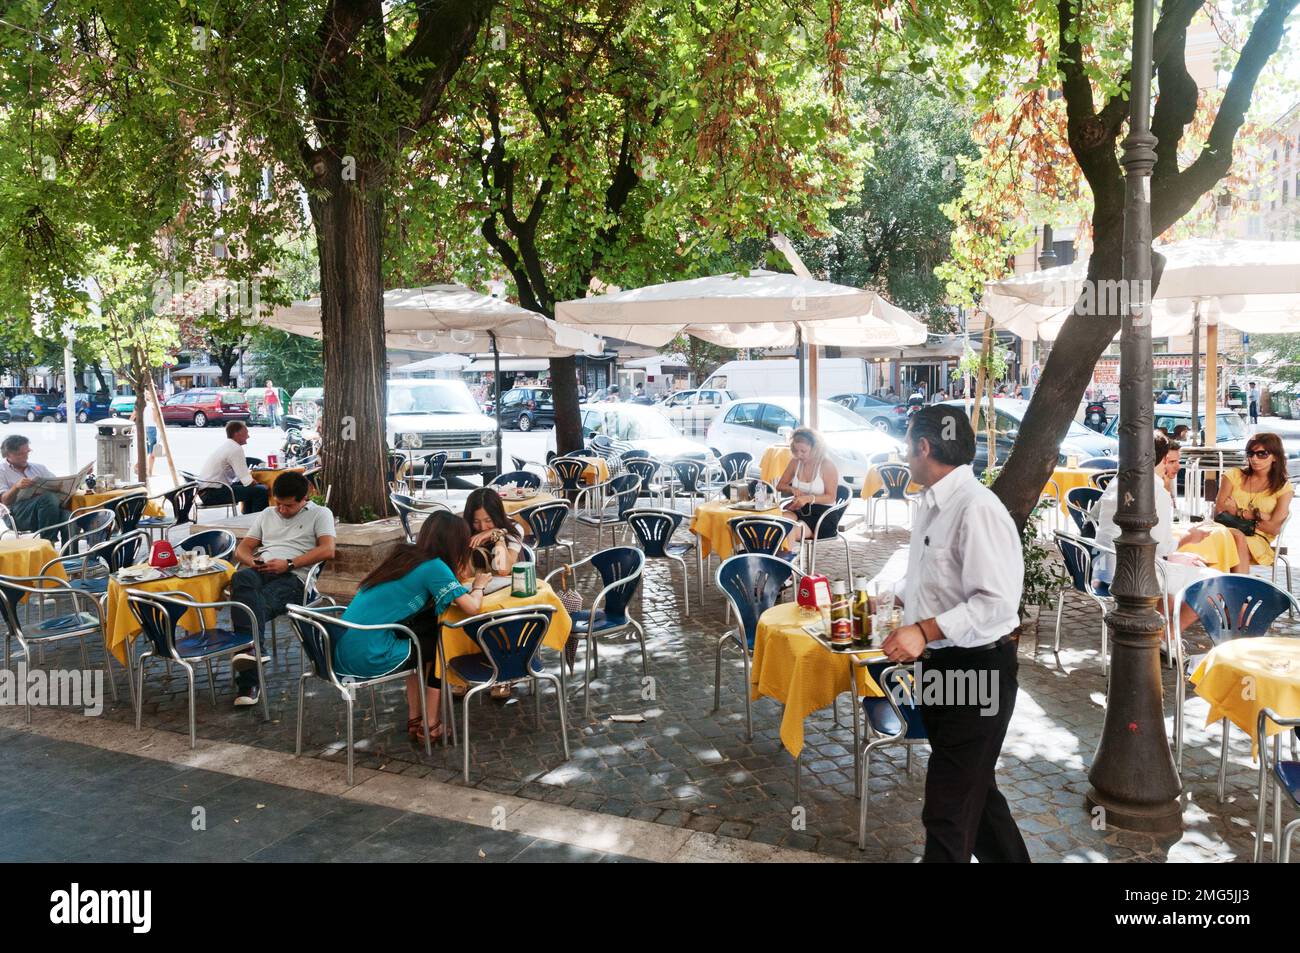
(412, 587)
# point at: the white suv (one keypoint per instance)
(426, 416)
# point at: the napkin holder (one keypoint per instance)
(814, 592)
(162, 556)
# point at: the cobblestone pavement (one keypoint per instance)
(241, 818)
(689, 767)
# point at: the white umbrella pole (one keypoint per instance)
(1211, 383)
(496, 403)
(1196, 372)
(799, 349)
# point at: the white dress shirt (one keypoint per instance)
(226, 465)
(965, 566)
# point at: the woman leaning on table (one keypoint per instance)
(412, 587)
(485, 515)
(1260, 492)
(811, 478)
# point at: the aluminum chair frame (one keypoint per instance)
(892, 683)
(311, 597)
(732, 466)
(621, 493)
(80, 535)
(1089, 549)
(541, 530)
(592, 636)
(410, 506)
(229, 543)
(128, 509)
(698, 483)
(184, 601)
(1101, 479)
(517, 478)
(1083, 517)
(1281, 837)
(650, 472)
(894, 487)
(515, 614)
(45, 586)
(231, 505)
(320, 619)
(637, 516)
(182, 514)
(433, 472)
(835, 511)
(1240, 619)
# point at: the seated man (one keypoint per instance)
(227, 466)
(283, 543)
(35, 510)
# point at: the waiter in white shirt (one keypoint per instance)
(961, 604)
(227, 466)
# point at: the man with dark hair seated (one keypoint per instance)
(276, 554)
(226, 467)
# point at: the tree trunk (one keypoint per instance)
(564, 394)
(348, 219)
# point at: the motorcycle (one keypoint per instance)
(1094, 417)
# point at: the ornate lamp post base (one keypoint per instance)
(1163, 818)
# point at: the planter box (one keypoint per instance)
(359, 548)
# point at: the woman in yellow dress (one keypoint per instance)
(1260, 491)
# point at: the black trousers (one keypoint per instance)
(426, 626)
(254, 497)
(965, 814)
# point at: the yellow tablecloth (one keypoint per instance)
(1243, 677)
(122, 625)
(710, 524)
(597, 470)
(153, 508)
(26, 557)
(798, 671)
(1066, 479)
(774, 461)
(872, 484)
(267, 477)
(457, 642)
(514, 507)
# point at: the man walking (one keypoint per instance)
(1253, 398)
(965, 574)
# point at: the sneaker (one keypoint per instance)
(248, 696)
(247, 657)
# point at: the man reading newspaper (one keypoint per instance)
(34, 495)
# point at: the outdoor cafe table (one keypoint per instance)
(1067, 479)
(515, 507)
(1268, 666)
(775, 459)
(266, 476)
(80, 500)
(792, 667)
(122, 624)
(710, 524)
(26, 557)
(597, 470)
(457, 642)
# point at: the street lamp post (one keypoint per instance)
(1134, 785)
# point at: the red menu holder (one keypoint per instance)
(814, 592)
(162, 556)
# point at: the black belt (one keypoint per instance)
(1005, 640)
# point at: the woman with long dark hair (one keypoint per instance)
(485, 515)
(413, 587)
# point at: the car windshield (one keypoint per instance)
(430, 397)
(630, 423)
(834, 418)
(1229, 427)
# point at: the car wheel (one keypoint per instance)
(49, 419)
(525, 423)
(31, 416)
(882, 424)
(83, 417)
(200, 419)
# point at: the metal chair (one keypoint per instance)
(735, 465)
(753, 585)
(127, 510)
(89, 571)
(1078, 553)
(894, 719)
(181, 501)
(688, 479)
(896, 477)
(159, 615)
(429, 469)
(317, 631)
(1286, 781)
(1102, 479)
(509, 641)
(622, 491)
(219, 495)
(217, 543)
(408, 506)
(1100, 463)
(827, 528)
(654, 529)
(620, 571)
(396, 464)
(1280, 554)
(761, 535)
(628, 455)
(86, 527)
(569, 473)
(545, 520)
(1079, 502)
(85, 619)
(1228, 607)
(518, 478)
(647, 470)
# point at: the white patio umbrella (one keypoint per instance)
(760, 309)
(453, 319)
(1252, 286)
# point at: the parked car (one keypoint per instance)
(634, 427)
(123, 405)
(32, 407)
(596, 396)
(693, 411)
(88, 408)
(427, 415)
(1230, 432)
(1009, 412)
(4, 415)
(752, 425)
(204, 406)
(885, 415)
(527, 407)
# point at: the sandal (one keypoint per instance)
(413, 727)
(504, 690)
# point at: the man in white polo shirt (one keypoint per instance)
(276, 554)
(227, 466)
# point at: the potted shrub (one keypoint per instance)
(1044, 575)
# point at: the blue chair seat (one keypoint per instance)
(881, 717)
(95, 584)
(476, 668)
(211, 642)
(157, 521)
(61, 625)
(678, 549)
(601, 519)
(1288, 772)
(582, 621)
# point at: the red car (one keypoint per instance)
(205, 406)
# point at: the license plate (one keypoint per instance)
(465, 455)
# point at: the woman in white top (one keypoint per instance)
(811, 478)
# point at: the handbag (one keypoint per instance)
(571, 599)
(1232, 521)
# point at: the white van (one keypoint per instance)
(780, 376)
